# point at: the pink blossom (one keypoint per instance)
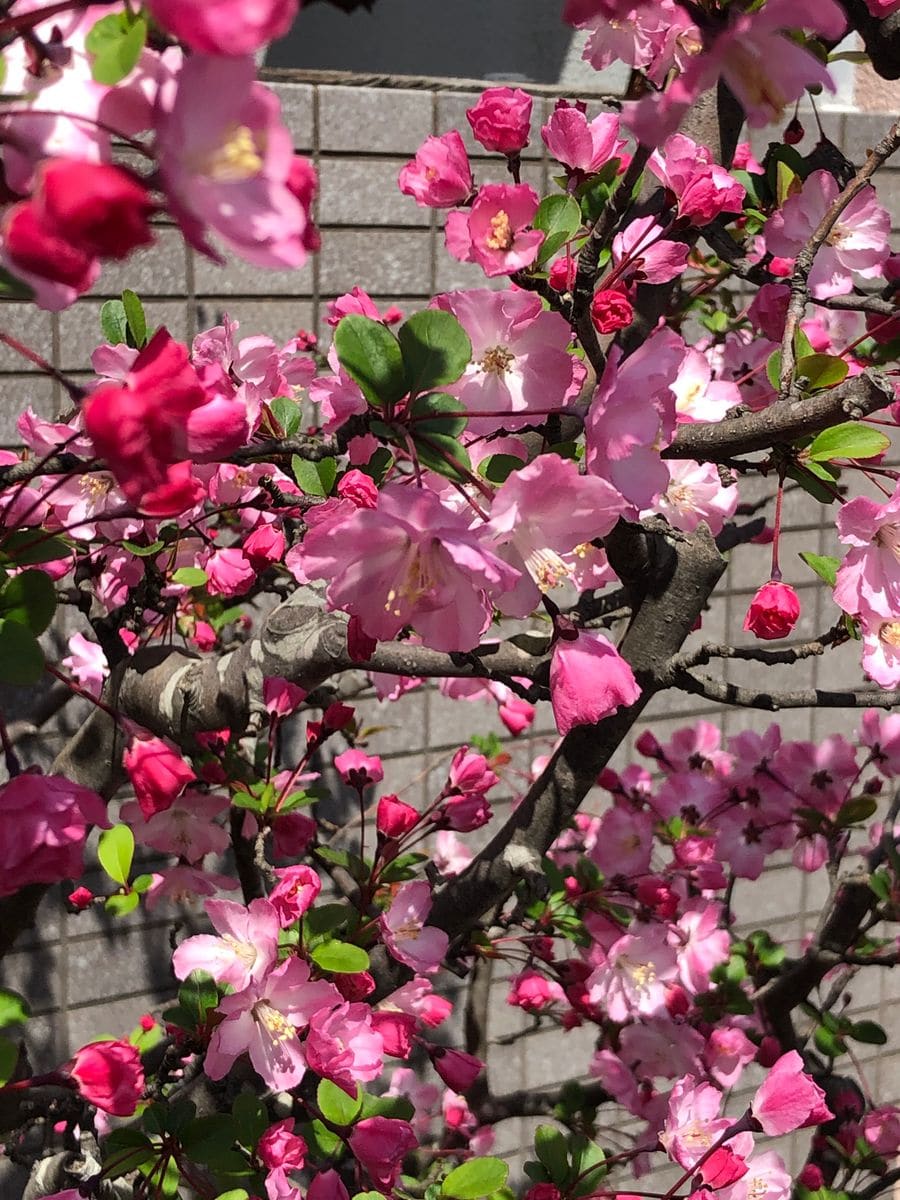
(699, 397)
(693, 1122)
(405, 933)
(881, 650)
(881, 733)
(494, 233)
(501, 119)
(520, 360)
(410, 561)
(226, 166)
(280, 1151)
(868, 580)
(766, 1179)
(440, 176)
(624, 842)
(186, 828)
(773, 611)
(655, 35)
(450, 856)
(695, 493)
(631, 981)
(394, 819)
(281, 697)
(644, 255)
(789, 1098)
(589, 680)
(768, 311)
(327, 1185)
(229, 572)
(632, 415)
(380, 1144)
(264, 1019)
(294, 892)
(703, 189)
(263, 546)
(764, 69)
(157, 770)
(87, 663)
(243, 954)
(700, 944)
(728, 1051)
(858, 242)
(183, 884)
(456, 1068)
(230, 27)
(359, 770)
(611, 311)
(880, 9)
(534, 992)
(45, 821)
(342, 1046)
(881, 1129)
(579, 144)
(109, 1075)
(359, 488)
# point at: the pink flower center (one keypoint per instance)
(419, 581)
(547, 569)
(236, 159)
(244, 952)
(761, 90)
(501, 235)
(496, 361)
(276, 1024)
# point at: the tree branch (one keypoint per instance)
(720, 692)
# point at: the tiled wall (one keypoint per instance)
(87, 975)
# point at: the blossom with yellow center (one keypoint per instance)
(501, 235)
(236, 159)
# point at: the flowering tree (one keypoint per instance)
(524, 492)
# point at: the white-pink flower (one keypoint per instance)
(632, 980)
(264, 1021)
(858, 242)
(699, 943)
(342, 1046)
(695, 493)
(243, 953)
(87, 663)
(868, 580)
(580, 144)
(693, 1122)
(405, 933)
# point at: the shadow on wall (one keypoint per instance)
(477, 39)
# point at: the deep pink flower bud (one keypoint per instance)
(440, 175)
(279, 1146)
(360, 646)
(677, 1002)
(773, 611)
(723, 1168)
(263, 546)
(501, 120)
(292, 834)
(543, 1191)
(359, 488)
(533, 992)
(230, 27)
(394, 818)
(794, 132)
(659, 895)
(435, 1010)
(396, 1030)
(337, 716)
(611, 310)
(355, 986)
(294, 893)
(359, 770)
(157, 770)
(80, 899)
(457, 1069)
(380, 1144)
(281, 697)
(789, 1098)
(769, 1052)
(101, 209)
(327, 1185)
(811, 1177)
(109, 1075)
(561, 278)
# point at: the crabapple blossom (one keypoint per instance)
(773, 611)
(405, 933)
(702, 188)
(589, 680)
(440, 176)
(230, 27)
(281, 1151)
(501, 119)
(581, 145)
(157, 770)
(789, 1098)
(295, 891)
(494, 233)
(632, 978)
(380, 1144)
(245, 951)
(109, 1075)
(342, 1045)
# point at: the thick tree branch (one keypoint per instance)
(785, 421)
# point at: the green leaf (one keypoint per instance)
(436, 349)
(250, 1119)
(371, 356)
(497, 468)
(321, 1140)
(122, 903)
(324, 918)
(550, 1145)
(124, 1150)
(234, 1194)
(29, 546)
(198, 995)
(559, 218)
(14, 1009)
(342, 958)
(444, 455)
(821, 371)
(190, 576)
(113, 321)
(143, 551)
(135, 317)
(824, 565)
(10, 287)
(287, 413)
(209, 1138)
(21, 657)
(446, 412)
(116, 852)
(475, 1178)
(808, 477)
(115, 43)
(588, 1164)
(869, 1032)
(30, 599)
(860, 808)
(880, 883)
(314, 478)
(9, 1056)
(398, 1108)
(828, 1043)
(335, 1105)
(849, 440)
